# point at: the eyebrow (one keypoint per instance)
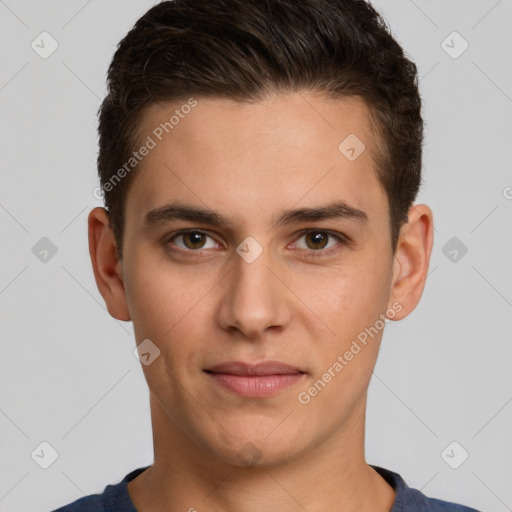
(178, 211)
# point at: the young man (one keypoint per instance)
(259, 162)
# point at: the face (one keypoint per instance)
(225, 260)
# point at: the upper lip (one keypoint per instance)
(263, 368)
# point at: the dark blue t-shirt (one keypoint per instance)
(115, 498)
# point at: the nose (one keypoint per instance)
(254, 298)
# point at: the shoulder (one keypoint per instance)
(92, 503)
(114, 498)
(415, 500)
(408, 499)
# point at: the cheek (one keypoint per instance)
(157, 294)
(164, 306)
(348, 298)
(353, 300)
(144, 291)
(345, 361)
(165, 303)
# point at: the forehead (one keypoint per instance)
(257, 158)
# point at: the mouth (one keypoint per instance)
(248, 369)
(255, 380)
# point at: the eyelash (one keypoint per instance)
(312, 253)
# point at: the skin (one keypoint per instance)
(292, 304)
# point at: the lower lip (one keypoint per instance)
(256, 386)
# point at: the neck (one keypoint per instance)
(332, 475)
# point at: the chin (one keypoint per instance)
(258, 450)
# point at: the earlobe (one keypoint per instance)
(412, 258)
(106, 265)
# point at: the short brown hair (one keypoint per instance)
(244, 49)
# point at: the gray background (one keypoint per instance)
(68, 373)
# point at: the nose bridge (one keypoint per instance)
(255, 299)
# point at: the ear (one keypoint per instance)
(412, 257)
(106, 265)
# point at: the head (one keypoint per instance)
(256, 122)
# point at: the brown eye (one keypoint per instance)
(319, 242)
(316, 239)
(194, 239)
